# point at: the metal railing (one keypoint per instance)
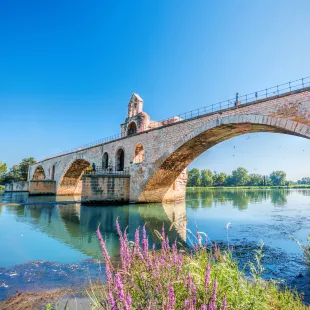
(267, 93)
(109, 170)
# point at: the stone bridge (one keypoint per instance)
(155, 154)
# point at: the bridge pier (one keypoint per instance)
(42, 187)
(108, 189)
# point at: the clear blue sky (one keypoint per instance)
(68, 69)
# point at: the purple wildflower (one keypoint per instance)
(186, 304)
(112, 301)
(118, 228)
(145, 242)
(171, 297)
(106, 257)
(207, 277)
(224, 304)
(212, 305)
(120, 289)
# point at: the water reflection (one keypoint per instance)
(75, 225)
(239, 198)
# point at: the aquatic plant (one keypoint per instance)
(306, 249)
(203, 277)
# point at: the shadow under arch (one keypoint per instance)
(71, 183)
(39, 173)
(171, 164)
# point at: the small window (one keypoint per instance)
(139, 154)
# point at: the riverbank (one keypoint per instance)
(295, 186)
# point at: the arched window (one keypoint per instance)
(132, 129)
(139, 154)
(120, 156)
(105, 161)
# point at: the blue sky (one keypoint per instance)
(68, 69)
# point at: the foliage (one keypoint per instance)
(206, 177)
(3, 169)
(306, 250)
(193, 177)
(219, 179)
(256, 180)
(18, 172)
(305, 180)
(278, 177)
(240, 176)
(171, 278)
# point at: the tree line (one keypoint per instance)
(238, 177)
(17, 172)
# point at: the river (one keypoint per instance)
(48, 242)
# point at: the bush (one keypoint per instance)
(170, 278)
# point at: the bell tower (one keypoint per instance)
(135, 105)
(136, 120)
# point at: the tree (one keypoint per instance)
(206, 177)
(193, 177)
(278, 178)
(240, 176)
(24, 165)
(219, 179)
(305, 180)
(256, 180)
(3, 168)
(19, 172)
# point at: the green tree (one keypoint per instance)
(278, 178)
(3, 169)
(19, 172)
(219, 179)
(193, 177)
(240, 176)
(256, 180)
(23, 167)
(206, 177)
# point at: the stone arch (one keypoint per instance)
(105, 161)
(171, 164)
(132, 129)
(71, 183)
(120, 159)
(39, 173)
(139, 154)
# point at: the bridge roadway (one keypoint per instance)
(155, 154)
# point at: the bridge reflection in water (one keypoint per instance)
(76, 225)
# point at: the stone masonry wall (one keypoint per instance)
(17, 187)
(42, 187)
(105, 189)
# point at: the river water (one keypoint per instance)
(48, 242)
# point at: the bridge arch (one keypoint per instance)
(70, 182)
(171, 164)
(39, 173)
